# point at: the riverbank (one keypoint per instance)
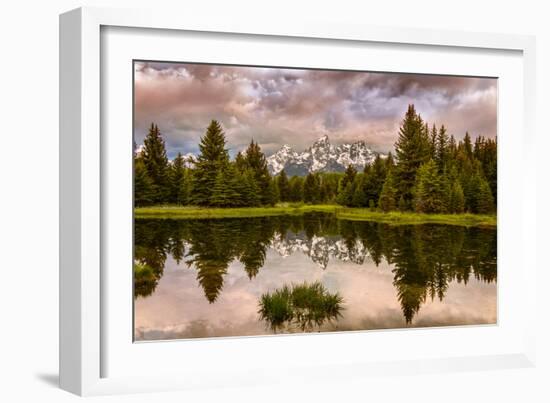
(344, 213)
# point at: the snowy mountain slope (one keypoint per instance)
(322, 156)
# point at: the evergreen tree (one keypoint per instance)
(221, 193)
(349, 176)
(390, 163)
(484, 200)
(430, 194)
(271, 195)
(345, 187)
(324, 194)
(456, 200)
(156, 164)
(248, 189)
(178, 183)
(240, 162)
(374, 180)
(442, 149)
(433, 142)
(283, 186)
(296, 185)
(387, 200)
(402, 205)
(256, 161)
(412, 150)
(143, 195)
(468, 145)
(358, 194)
(311, 189)
(213, 159)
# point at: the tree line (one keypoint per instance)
(430, 173)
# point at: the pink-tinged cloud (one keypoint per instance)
(276, 106)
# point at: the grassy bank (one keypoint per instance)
(468, 220)
(344, 213)
(178, 212)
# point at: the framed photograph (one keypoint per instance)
(244, 203)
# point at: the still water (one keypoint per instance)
(214, 277)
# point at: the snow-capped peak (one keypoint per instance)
(321, 156)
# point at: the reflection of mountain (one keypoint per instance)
(320, 249)
(424, 258)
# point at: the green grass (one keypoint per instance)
(395, 217)
(344, 213)
(178, 212)
(302, 305)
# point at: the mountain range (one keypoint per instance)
(321, 156)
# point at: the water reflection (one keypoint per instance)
(424, 259)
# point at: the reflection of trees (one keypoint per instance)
(145, 280)
(211, 252)
(303, 306)
(425, 258)
(151, 239)
(429, 257)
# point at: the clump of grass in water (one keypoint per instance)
(302, 305)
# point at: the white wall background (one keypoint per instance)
(29, 201)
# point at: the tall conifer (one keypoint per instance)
(212, 159)
(412, 150)
(155, 162)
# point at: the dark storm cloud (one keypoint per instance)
(278, 106)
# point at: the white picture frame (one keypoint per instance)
(85, 307)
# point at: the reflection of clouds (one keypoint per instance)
(178, 308)
(274, 105)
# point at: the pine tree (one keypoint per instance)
(296, 185)
(270, 197)
(468, 145)
(387, 200)
(156, 164)
(345, 187)
(226, 191)
(283, 186)
(430, 195)
(324, 194)
(358, 194)
(402, 205)
(484, 200)
(412, 150)
(442, 149)
(390, 163)
(213, 159)
(142, 184)
(349, 176)
(311, 189)
(220, 196)
(456, 200)
(374, 180)
(256, 161)
(178, 184)
(248, 189)
(240, 162)
(433, 142)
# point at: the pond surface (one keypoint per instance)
(214, 277)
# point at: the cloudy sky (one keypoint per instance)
(291, 106)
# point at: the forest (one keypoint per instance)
(428, 172)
